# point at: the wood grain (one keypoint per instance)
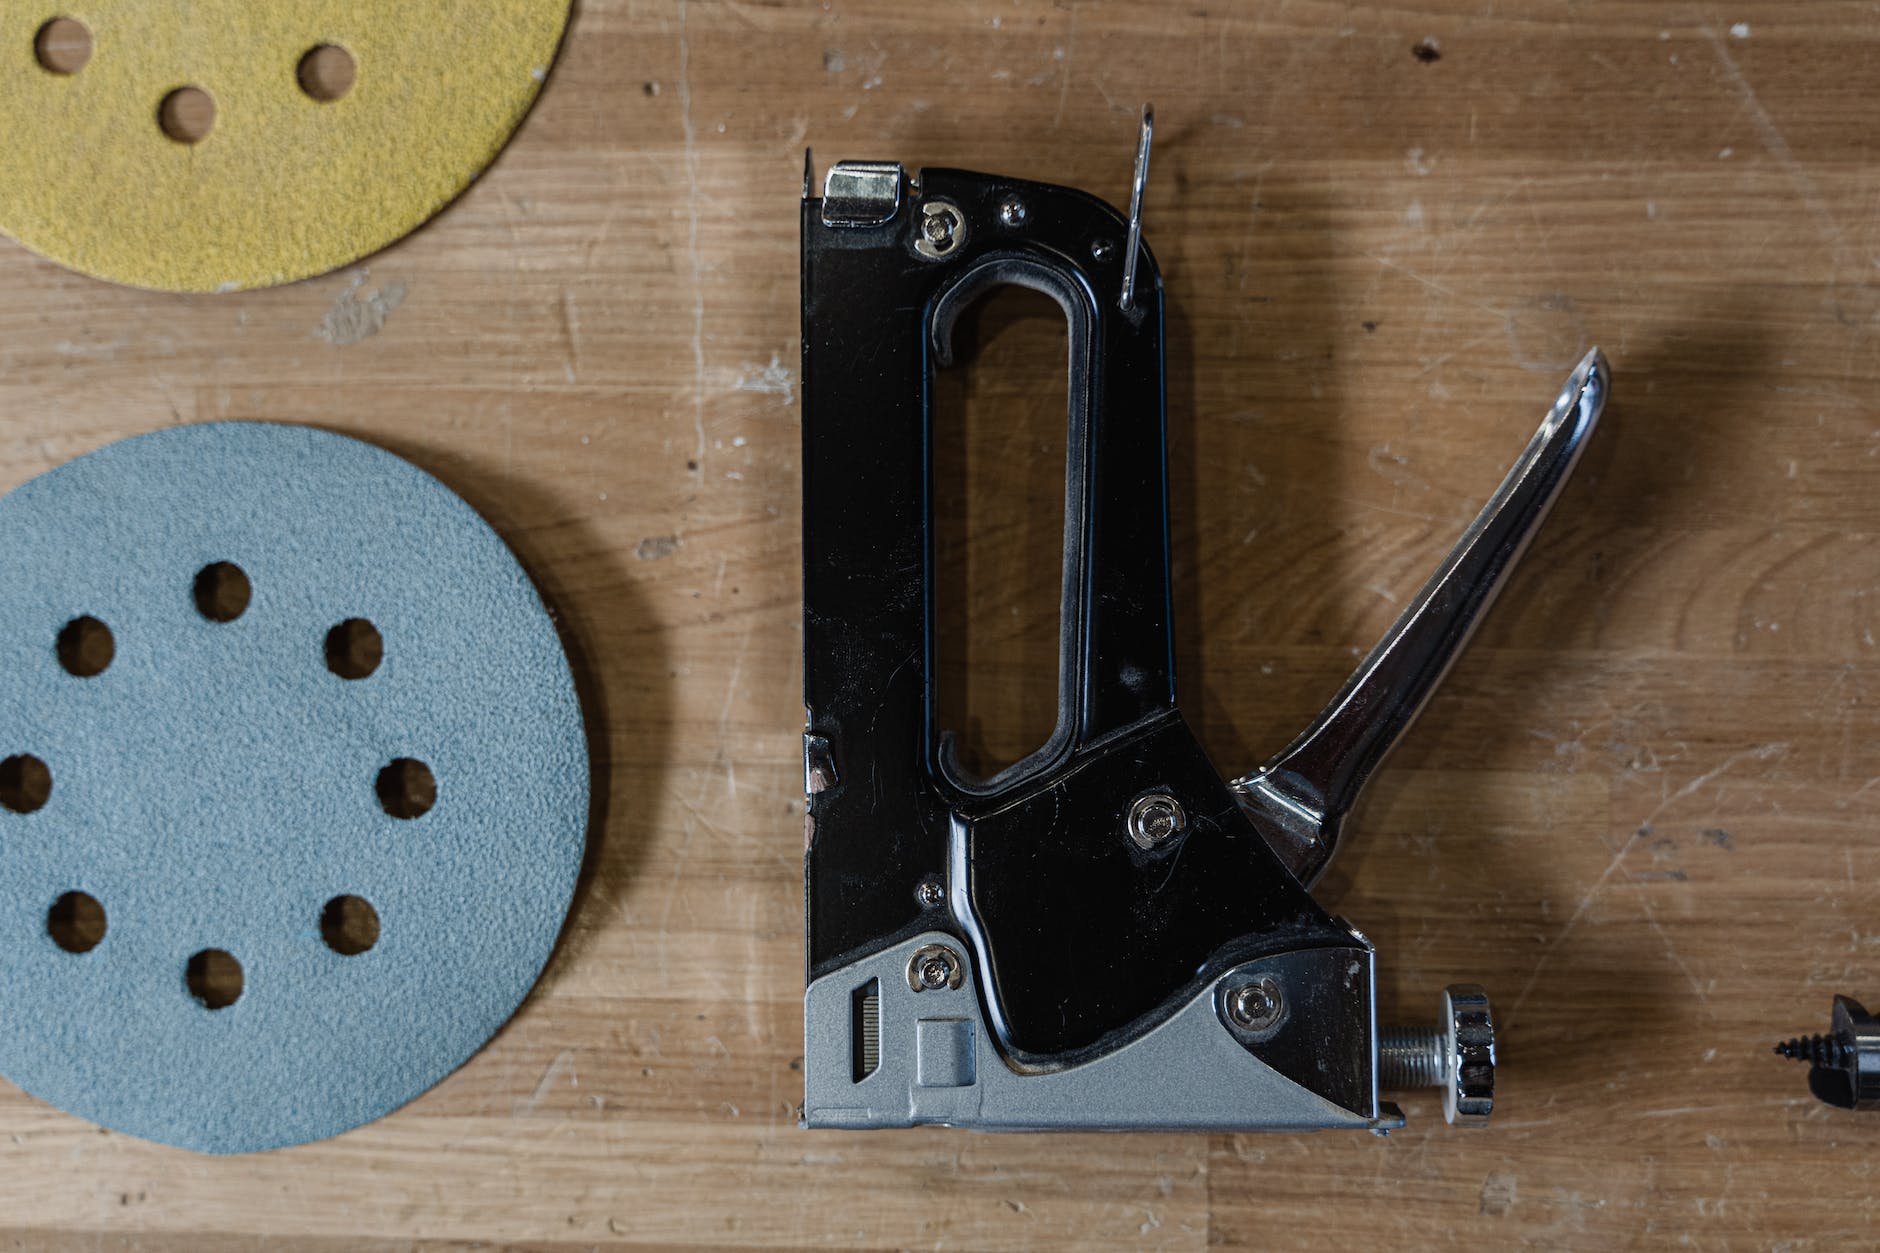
(1642, 811)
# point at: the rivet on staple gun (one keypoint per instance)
(1108, 933)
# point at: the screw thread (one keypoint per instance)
(1817, 1050)
(1410, 1057)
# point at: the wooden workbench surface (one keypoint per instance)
(1642, 810)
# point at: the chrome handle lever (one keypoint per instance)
(1299, 799)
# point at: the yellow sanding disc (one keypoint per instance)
(284, 184)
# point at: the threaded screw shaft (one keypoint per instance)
(1817, 1050)
(1410, 1057)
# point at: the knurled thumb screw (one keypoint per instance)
(1458, 1056)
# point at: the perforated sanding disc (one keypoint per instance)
(284, 184)
(239, 783)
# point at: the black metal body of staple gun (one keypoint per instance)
(1108, 934)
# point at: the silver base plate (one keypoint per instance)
(934, 1063)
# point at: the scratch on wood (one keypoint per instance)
(1778, 147)
(698, 262)
(563, 1064)
(1762, 752)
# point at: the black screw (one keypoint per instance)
(1817, 1050)
(1844, 1065)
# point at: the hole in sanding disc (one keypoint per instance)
(349, 925)
(62, 46)
(187, 115)
(327, 72)
(222, 592)
(214, 978)
(354, 649)
(76, 922)
(407, 788)
(85, 647)
(25, 783)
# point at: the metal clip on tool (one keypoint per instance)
(1108, 934)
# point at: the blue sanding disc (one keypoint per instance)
(219, 785)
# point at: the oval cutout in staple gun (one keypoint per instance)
(1000, 427)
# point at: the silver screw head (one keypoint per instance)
(933, 967)
(1155, 819)
(1012, 211)
(1256, 1006)
(931, 893)
(941, 231)
(1102, 250)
